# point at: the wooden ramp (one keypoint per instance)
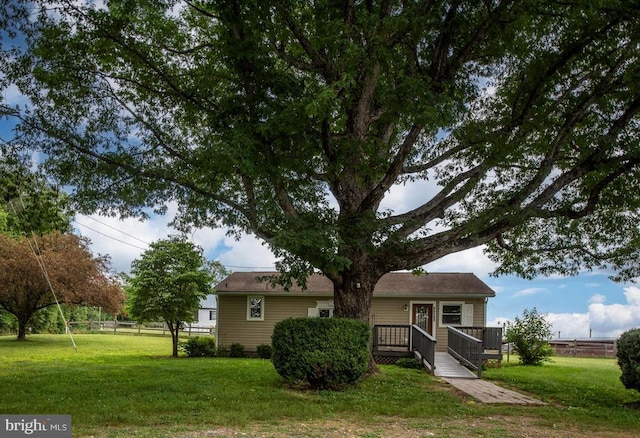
(452, 372)
(448, 366)
(487, 392)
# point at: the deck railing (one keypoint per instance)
(491, 337)
(424, 345)
(390, 336)
(466, 349)
(400, 340)
(470, 345)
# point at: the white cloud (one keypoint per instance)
(247, 254)
(208, 238)
(569, 325)
(409, 195)
(497, 289)
(499, 322)
(633, 295)
(471, 260)
(597, 298)
(611, 320)
(601, 320)
(12, 96)
(529, 291)
(123, 240)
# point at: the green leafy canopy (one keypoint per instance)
(294, 121)
(168, 281)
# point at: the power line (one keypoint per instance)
(146, 243)
(110, 237)
(114, 228)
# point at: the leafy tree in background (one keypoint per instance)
(167, 283)
(73, 273)
(530, 336)
(33, 214)
(295, 120)
(28, 203)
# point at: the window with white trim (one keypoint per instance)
(323, 309)
(255, 308)
(456, 314)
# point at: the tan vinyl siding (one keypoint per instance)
(478, 320)
(389, 311)
(233, 326)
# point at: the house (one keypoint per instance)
(207, 310)
(248, 309)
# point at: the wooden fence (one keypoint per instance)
(130, 327)
(585, 347)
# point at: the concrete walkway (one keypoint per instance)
(452, 372)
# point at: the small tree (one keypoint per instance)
(167, 283)
(75, 276)
(629, 358)
(530, 336)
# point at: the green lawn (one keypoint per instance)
(128, 386)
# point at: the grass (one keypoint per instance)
(588, 388)
(128, 386)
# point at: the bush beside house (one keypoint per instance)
(323, 352)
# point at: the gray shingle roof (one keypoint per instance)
(392, 284)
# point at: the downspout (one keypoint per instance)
(486, 301)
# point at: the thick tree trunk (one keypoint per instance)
(22, 329)
(352, 294)
(23, 322)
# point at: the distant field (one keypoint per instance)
(128, 386)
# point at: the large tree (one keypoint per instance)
(167, 283)
(40, 271)
(293, 120)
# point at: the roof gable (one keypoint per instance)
(391, 284)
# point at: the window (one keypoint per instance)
(212, 315)
(255, 308)
(456, 314)
(323, 309)
(451, 314)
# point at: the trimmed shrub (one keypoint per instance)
(530, 337)
(199, 346)
(223, 351)
(324, 352)
(236, 350)
(629, 358)
(264, 351)
(407, 362)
